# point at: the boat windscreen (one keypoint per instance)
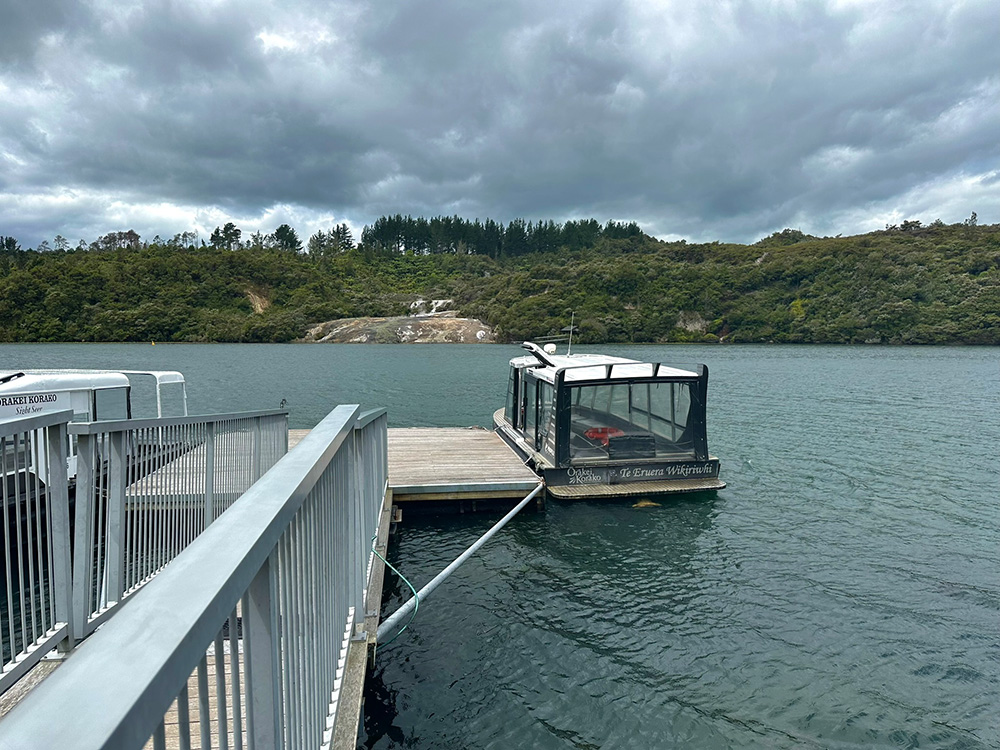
(632, 420)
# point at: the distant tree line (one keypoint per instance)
(455, 235)
(912, 283)
(387, 235)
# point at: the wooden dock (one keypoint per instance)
(444, 463)
(450, 464)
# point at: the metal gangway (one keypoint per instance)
(180, 574)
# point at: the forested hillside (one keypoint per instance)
(906, 284)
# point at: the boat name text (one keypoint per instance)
(677, 470)
(615, 474)
(583, 476)
(28, 404)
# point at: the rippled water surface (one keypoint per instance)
(843, 591)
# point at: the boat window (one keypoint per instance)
(619, 400)
(546, 423)
(640, 404)
(172, 402)
(111, 403)
(530, 407)
(630, 420)
(510, 407)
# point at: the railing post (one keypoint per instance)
(115, 540)
(210, 474)
(83, 545)
(59, 535)
(263, 678)
(255, 457)
(356, 529)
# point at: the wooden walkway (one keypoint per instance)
(450, 463)
(183, 478)
(444, 463)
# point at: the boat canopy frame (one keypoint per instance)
(554, 445)
(91, 382)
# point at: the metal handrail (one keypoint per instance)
(93, 428)
(146, 488)
(11, 425)
(274, 564)
(367, 417)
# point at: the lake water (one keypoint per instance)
(842, 592)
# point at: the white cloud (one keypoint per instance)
(271, 41)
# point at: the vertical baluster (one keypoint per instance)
(210, 475)
(204, 712)
(327, 541)
(7, 503)
(116, 510)
(83, 557)
(234, 667)
(160, 737)
(144, 506)
(159, 500)
(184, 718)
(34, 535)
(160, 516)
(20, 480)
(289, 641)
(262, 649)
(316, 626)
(221, 702)
(179, 492)
(133, 468)
(60, 565)
(99, 543)
(255, 460)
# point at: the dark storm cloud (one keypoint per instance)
(706, 120)
(24, 23)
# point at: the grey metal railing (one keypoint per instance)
(35, 599)
(270, 598)
(145, 489)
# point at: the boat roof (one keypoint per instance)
(20, 381)
(578, 367)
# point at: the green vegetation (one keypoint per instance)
(910, 284)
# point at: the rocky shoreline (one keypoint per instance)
(432, 328)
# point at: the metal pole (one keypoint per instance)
(59, 538)
(396, 617)
(83, 557)
(115, 539)
(209, 475)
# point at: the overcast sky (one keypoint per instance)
(699, 119)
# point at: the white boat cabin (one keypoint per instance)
(92, 395)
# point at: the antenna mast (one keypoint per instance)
(572, 319)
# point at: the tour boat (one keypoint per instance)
(91, 395)
(598, 426)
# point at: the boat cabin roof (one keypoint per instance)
(160, 376)
(581, 367)
(28, 381)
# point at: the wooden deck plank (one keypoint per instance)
(454, 463)
(450, 463)
(184, 476)
(171, 722)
